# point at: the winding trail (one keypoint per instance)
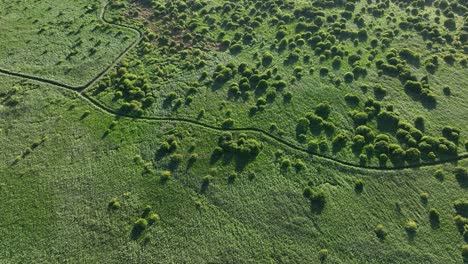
(80, 92)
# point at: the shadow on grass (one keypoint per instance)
(136, 233)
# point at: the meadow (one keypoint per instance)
(234, 132)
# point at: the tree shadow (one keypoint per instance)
(136, 233)
(435, 223)
(317, 207)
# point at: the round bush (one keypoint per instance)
(323, 254)
(411, 227)
(165, 175)
(465, 251)
(153, 218)
(140, 224)
(358, 186)
(434, 215)
(349, 77)
(424, 196)
(380, 231)
(267, 58)
(114, 204)
(461, 174)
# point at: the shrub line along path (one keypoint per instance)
(80, 91)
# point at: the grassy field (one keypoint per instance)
(115, 175)
(174, 71)
(65, 41)
(58, 195)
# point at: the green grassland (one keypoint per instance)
(56, 196)
(240, 131)
(64, 41)
(174, 70)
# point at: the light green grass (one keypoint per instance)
(55, 200)
(307, 92)
(65, 41)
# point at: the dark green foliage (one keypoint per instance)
(461, 207)
(411, 227)
(359, 186)
(349, 77)
(323, 255)
(114, 204)
(413, 87)
(387, 121)
(464, 252)
(235, 49)
(434, 217)
(413, 155)
(461, 174)
(339, 142)
(140, 224)
(267, 58)
(323, 110)
(243, 147)
(317, 198)
(324, 71)
(352, 99)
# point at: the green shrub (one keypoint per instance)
(380, 231)
(358, 186)
(440, 174)
(413, 87)
(323, 110)
(434, 215)
(461, 174)
(349, 77)
(411, 227)
(312, 146)
(228, 123)
(413, 155)
(323, 71)
(464, 252)
(153, 218)
(461, 207)
(114, 204)
(267, 58)
(165, 175)
(323, 254)
(460, 222)
(424, 196)
(339, 141)
(307, 193)
(140, 224)
(236, 48)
